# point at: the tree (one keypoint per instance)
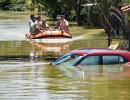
(77, 6)
(4, 4)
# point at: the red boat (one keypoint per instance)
(49, 34)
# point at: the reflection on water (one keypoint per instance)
(29, 50)
(26, 75)
(35, 50)
(48, 50)
(14, 50)
(93, 71)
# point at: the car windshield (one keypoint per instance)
(67, 58)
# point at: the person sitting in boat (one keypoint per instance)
(32, 23)
(63, 24)
(41, 25)
(57, 23)
(38, 24)
(44, 26)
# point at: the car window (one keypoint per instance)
(90, 60)
(70, 60)
(113, 59)
(65, 58)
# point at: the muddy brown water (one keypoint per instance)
(25, 72)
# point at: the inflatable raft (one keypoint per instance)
(49, 34)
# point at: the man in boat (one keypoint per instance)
(57, 23)
(38, 24)
(32, 23)
(41, 25)
(63, 24)
(44, 26)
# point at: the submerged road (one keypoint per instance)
(33, 78)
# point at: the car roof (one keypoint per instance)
(99, 51)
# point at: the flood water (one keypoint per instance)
(25, 72)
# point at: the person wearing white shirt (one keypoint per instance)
(63, 24)
(32, 24)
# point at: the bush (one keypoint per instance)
(20, 7)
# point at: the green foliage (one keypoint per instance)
(74, 10)
(20, 7)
